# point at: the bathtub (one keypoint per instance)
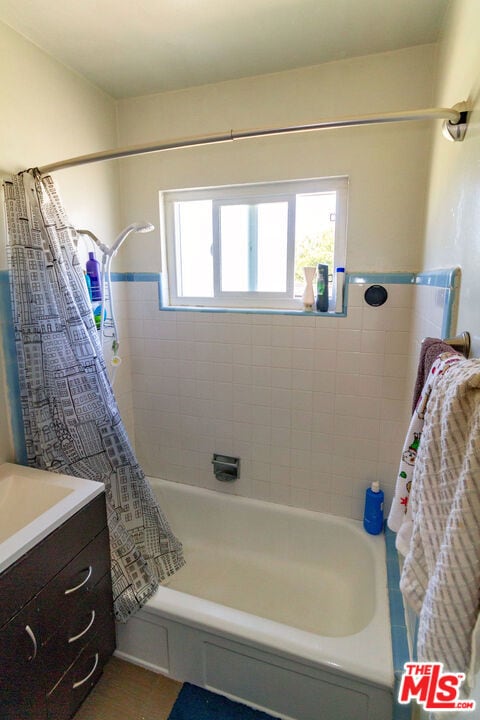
(283, 609)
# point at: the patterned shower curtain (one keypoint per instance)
(72, 423)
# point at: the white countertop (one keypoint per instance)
(33, 503)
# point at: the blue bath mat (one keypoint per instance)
(194, 703)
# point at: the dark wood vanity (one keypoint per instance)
(56, 619)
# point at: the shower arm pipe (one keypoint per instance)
(452, 117)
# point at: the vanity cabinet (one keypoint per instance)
(22, 693)
(56, 619)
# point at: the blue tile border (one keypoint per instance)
(11, 370)
(357, 278)
(447, 279)
(135, 277)
(390, 278)
(400, 650)
(157, 277)
(448, 303)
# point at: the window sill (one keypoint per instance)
(251, 311)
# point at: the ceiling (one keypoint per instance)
(139, 47)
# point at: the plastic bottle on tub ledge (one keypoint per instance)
(373, 515)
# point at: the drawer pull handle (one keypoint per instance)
(32, 637)
(84, 582)
(81, 682)
(84, 632)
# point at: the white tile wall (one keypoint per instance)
(122, 376)
(314, 407)
(427, 320)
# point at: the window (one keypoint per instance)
(246, 245)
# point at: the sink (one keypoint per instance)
(23, 499)
(35, 502)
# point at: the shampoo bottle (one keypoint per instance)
(339, 287)
(322, 288)
(93, 272)
(373, 515)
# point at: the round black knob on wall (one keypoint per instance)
(375, 295)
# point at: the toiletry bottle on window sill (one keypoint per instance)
(339, 288)
(322, 288)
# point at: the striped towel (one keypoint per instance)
(400, 516)
(441, 573)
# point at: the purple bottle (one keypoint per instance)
(93, 272)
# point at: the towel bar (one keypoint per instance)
(460, 342)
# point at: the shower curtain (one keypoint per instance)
(72, 423)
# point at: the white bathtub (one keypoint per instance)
(284, 609)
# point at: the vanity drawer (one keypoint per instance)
(32, 571)
(64, 699)
(22, 693)
(67, 590)
(93, 617)
(56, 619)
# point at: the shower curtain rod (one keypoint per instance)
(452, 116)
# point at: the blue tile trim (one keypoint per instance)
(135, 277)
(401, 712)
(448, 312)
(391, 278)
(11, 370)
(160, 292)
(398, 627)
(448, 278)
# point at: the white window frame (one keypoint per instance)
(242, 194)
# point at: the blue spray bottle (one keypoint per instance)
(373, 515)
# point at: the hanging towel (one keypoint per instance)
(441, 573)
(429, 352)
(400, 516)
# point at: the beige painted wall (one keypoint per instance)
(387, 165)
(453, 211)
(269, 389)
(48, 113)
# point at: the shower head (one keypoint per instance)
(111, 251)
(143, 227)
(134, 227)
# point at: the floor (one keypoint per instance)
(128, 692)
